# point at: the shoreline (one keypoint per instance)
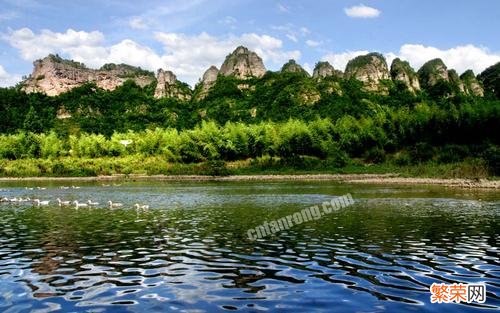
(389, 179)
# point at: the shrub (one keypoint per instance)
(452, 153)
(375, 155)
(215, 168)
(492, 158)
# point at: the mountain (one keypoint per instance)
(371, 69)
(324, 69)
(490, 78)
(168, 86)
(243, 63)
(402, 71)
(292, 67)
(53, 75)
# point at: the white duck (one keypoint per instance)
(40, 203)
(91, 203)
(141, 207)
(80, 205)
(114, 205)
(61, 203)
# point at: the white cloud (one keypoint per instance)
(460, 58)
(362, 11)
(339, 60)
(291, 31)
(283, 8)
(33, 46)
(137, 22)
(313, 43)
(292, 37)
(6, 79)
(188, 56)
(8, 15)
(308, 68)
(228, 20)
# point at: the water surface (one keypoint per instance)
(190, 252)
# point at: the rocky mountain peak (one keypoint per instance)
(471, 85)
(325, 69)
(371, 69)
(210, 75)
(432, 72)
(54, 75)
(168, 86)
(292, 67)
(208, 80)
(403, 72)
(243, 63)
(456, 81)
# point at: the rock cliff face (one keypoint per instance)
(471, 85)
(490, 78)
(292, 67)
(325, 69)
(432, 72)
(243, 64)
(169, 87)
(208, 80)
(456, 81)
(403, 72)
(53, 75)
(371, 69)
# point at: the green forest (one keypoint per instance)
(280, 121)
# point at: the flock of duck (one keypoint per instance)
(67, 203)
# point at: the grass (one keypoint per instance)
(138, 164)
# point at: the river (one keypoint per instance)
(189, 251)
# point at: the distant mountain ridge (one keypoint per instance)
(54, 75)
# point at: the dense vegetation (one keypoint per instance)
(285, 116)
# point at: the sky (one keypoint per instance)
(188, 36)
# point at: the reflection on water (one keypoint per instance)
(190, 251)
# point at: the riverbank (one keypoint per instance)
(387, 179)
(466, 174)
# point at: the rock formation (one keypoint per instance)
(324, 69)
(471, 85)
(455, 80)
(371, 69)
(53, 75)
(169, 87)
(243, 64)
(490, 78)
(292, 67)
(402, 71)
(208, 80)
(432, 72)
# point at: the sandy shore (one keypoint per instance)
(388, 179)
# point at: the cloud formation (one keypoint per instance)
(313, 43)
(7, 79)
(362, 11)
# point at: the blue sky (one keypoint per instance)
(188, 36)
